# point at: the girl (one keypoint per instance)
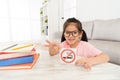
(73, 36)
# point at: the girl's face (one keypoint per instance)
(72, 35)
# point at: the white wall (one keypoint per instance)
(97, 9)
(53, 18)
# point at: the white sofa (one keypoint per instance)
(105, 35)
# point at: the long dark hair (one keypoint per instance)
(79, 27)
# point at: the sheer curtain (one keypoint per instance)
(19, 20)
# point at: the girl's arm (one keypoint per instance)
(54, 47)
(102, 58)
(88, 62)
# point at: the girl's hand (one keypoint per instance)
(53, 44)
(54, 47)
(86, 62)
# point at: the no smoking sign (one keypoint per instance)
(67, 55)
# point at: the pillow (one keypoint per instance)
(107, 29)
(87, 27)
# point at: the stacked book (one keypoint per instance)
(18, 59)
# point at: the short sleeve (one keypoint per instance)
(85, 49)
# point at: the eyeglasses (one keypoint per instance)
(74, 33)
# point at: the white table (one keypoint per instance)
(49, 68)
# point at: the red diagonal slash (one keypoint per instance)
(67, 56)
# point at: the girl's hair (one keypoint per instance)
(79, 27)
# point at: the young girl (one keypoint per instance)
(73, 36)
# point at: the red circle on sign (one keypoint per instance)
(71, 52)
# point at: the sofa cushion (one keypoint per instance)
(109, 47)
(87, 27)
(107, 29)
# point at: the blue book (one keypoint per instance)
(17, 60)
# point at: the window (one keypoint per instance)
(19, 20)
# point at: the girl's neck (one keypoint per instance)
(74, 45)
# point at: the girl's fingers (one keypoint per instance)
(47, 45)
(83, 63)
(50, 44)
(79, 62)
(48, 41)
(87, 66)
(54, 43)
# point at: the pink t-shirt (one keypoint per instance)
(83, 49)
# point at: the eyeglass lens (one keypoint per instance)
(73, 33)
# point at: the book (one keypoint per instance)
(7, 55)
(16, 60)
(22, 66)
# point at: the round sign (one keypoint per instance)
(68, 55)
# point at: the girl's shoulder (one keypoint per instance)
(84, 43)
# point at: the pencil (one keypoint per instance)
(21, 47)
(9, 47)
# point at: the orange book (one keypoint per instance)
(21, 66)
